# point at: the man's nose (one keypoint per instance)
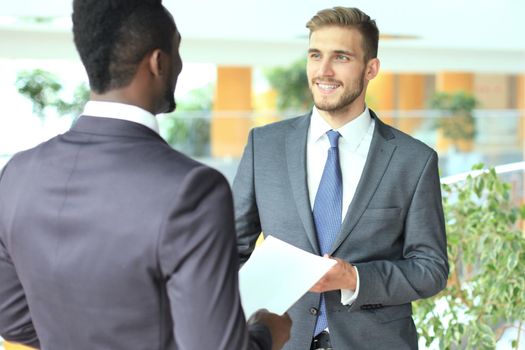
(326, 69)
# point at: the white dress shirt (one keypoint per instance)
(354, 145)
(121, 111)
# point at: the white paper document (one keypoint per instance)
(277, 275)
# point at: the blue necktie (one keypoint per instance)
(327, 211)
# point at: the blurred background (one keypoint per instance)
(452, 75)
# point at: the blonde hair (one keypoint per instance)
(351, 18)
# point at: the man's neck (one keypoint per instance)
(121, 96)
(337, 119)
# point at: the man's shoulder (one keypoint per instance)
(283, 126)
(24, 157)
(157, 159)
(172, 164)
(402, 139)
(410, 140)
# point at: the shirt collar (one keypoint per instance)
(352, 132)
(121, 111)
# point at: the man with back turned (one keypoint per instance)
(109, 238)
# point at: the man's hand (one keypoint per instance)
(341, 276)
(279, 326)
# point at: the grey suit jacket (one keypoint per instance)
(110, 239)
(393, 232)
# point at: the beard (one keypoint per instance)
(344, 101)
(169, 98)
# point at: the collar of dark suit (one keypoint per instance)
(112, 127)
(384, 130)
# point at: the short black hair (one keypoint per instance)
(113, 36)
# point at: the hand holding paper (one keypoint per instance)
(277, 275)
(341, 276)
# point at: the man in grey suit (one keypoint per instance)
(109, 238)
(341, 183)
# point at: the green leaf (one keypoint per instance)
(512, 261)
(478, 166)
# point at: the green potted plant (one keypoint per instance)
(45, 91)
(486, 246)
(457, 122)
(291, 85)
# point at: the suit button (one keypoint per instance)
(314, 311)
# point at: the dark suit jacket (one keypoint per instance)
(110, 239)
(394, 230)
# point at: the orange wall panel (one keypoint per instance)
(411, 96)
(520, 92)
(232, 106)
(452, 81)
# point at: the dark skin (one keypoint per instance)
(152, 89)
(279, 326)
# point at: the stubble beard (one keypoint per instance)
(169, 97)
(172, 104)
(344, 102)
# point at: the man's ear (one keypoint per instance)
(372, 69)
(156, 65)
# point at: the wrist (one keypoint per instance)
(351, 280)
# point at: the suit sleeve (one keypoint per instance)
(15, 320)
(198, 259)
(247, 221)
(423, 271)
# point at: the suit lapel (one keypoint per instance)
(296, 160)
(377, 161)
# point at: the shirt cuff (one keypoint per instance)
(349, 296)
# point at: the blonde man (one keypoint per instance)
(341, 183)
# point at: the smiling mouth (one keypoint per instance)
(327, 86)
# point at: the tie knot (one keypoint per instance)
(333, 136)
